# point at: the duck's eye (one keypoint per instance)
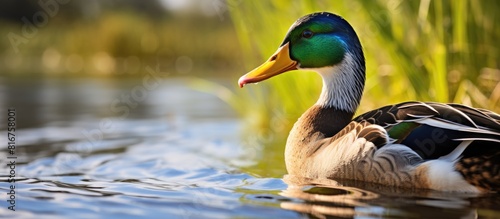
(307, 34)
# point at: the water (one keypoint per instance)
(89, 148)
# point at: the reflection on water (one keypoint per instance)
(322, 198)
(177, 153)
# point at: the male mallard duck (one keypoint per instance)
(447, 147)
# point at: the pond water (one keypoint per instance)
(116, 148)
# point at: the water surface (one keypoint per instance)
(115, 148)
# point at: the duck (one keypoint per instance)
(418, 145)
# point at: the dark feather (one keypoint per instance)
(482, 171)
(481, 117)
(403, 123)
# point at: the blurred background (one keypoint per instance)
(70, 61)
(128, 101)
(116, 38)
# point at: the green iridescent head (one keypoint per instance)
(321, 39)
(314, 41)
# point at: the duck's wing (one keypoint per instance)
(390, 115)
(436, 130)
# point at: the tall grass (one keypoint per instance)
(425, 50)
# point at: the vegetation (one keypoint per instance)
(424, 50)
(119, 41)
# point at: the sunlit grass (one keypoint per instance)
(443, 51)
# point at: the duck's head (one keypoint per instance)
(322, 42)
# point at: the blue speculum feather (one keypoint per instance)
(431, 142)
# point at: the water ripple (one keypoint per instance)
(181, 158)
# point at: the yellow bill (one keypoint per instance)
(279, 62)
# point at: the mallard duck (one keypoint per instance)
(438, 146)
